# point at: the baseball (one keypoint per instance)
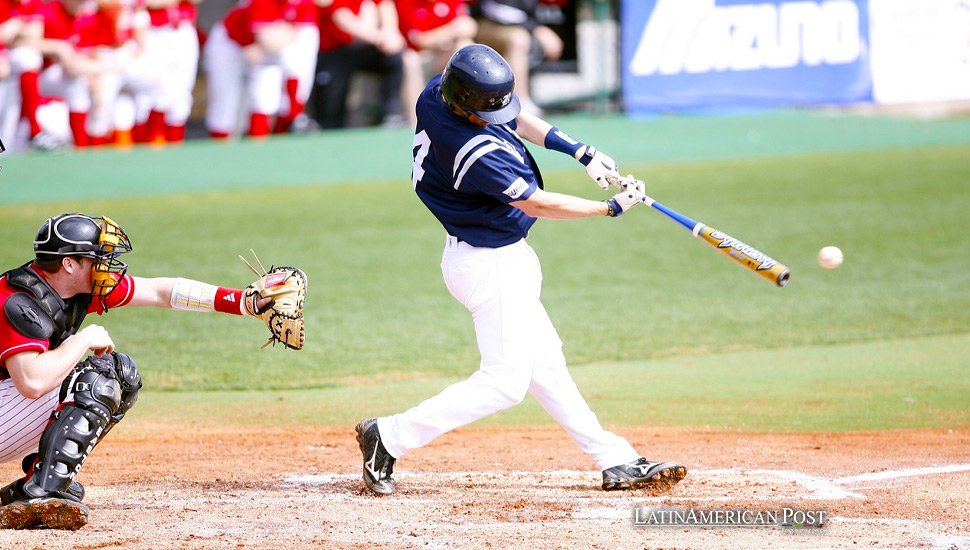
(830, 257)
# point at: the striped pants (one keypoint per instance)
(22, 421)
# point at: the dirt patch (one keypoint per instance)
(519, 489)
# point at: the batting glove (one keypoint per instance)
(633, 193)
(600, 167)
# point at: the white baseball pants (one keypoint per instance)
(22, 420)
(299, 62)
(175, 56)
(521, 353)
(229, 75)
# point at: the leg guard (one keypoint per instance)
(15, 491)
(90, 397)
(128, 377)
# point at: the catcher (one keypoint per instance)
(56, 401)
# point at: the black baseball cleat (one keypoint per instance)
(47, 512)
(641, 473)
(378, 464)
(15, 491)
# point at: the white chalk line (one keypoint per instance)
(599, 508)
(816, 487)
(897, 474)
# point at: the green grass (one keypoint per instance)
(908, 383)
(658, 328)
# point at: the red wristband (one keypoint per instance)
(228, 300)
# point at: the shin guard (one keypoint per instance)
(94, 397)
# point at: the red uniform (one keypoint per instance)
(28, 10)
(245, 19)
(188, 11)
(112, 26)
(425, 15)
(332, 36)
(171, 16)
(13, 342)
(60, 24)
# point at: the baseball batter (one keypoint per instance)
(55, 403)
(473, 172)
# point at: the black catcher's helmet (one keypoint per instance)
(478, 81)
(76, 234)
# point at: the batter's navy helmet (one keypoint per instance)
(479, 81)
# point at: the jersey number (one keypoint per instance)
(420, 147)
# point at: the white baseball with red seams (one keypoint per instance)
(830, 257)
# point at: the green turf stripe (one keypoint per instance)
(908, 383)
(378, 154)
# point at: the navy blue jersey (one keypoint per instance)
(467, 175)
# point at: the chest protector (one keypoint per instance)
(43, 314)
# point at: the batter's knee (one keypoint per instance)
(511, 389)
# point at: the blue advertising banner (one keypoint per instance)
(724, 54)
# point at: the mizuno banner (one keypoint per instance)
(727, 54)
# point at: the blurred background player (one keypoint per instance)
(244, 52)
(172, 44)
(21, 28)
(55, 404)
(433, 29)
(60, 64)
(358, 35)
(512, 28)
(118, 38)
(10, 26)
(298, 63)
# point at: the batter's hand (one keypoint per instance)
(633, 193)
(600, 167)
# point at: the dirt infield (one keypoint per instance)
(518, 489)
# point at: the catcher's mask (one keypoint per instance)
(77, 234)
(478, 81)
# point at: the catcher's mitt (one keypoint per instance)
(283, 313)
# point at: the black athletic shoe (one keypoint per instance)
(15, 491)
(641, 473)
(46, 511)
(378, 464)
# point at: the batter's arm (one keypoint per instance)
(532, 128)
(558, 206)
(599, 166)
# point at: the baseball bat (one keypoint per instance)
(748, 256)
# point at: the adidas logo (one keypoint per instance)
(229, 297)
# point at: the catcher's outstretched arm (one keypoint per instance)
(186, 294)
(276, 298)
